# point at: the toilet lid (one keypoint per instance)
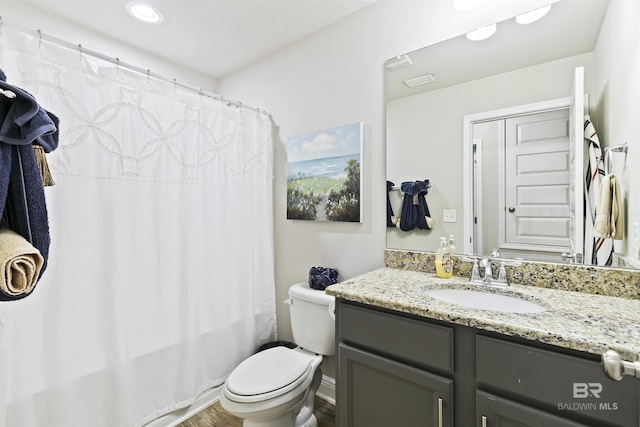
(269, 370)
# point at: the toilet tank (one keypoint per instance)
(311, 322)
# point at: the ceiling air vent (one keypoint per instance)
(420, 80)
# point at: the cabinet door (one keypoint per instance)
(493, 411)
(376, 391)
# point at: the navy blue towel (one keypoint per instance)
(414, 205)
(389, 208)
(23, 121)
(22, 199)
(321, 277)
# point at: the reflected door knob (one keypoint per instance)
(512, 209)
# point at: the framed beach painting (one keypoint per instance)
(324, 178)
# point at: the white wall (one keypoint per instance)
(618, 102)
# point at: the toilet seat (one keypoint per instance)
(268, 374)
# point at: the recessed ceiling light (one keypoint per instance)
(534, 15)
(467, 4)
(144, 12)
(482, 33)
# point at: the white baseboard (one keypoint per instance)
(327, 390)
(172, 419)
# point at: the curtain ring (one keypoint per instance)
(39, 39)
(175, 85)
(148, 76)
(117, 65)
(80, 51)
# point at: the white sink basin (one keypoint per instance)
(485, 301)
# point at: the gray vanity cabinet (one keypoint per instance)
(390, 373)
(396, 370)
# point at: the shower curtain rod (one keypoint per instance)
(118, 63)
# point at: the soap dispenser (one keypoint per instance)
(444, 260)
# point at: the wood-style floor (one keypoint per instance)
(216, 416)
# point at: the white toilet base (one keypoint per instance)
(312, 422)
(295, 413)
(283, 421)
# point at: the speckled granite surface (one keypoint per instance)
(623, 283)
(576, 320)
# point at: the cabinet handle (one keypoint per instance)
(484, 421)
(440, 403)
(615, 367)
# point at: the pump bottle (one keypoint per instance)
(444, 260)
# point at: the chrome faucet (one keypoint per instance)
(487, 278)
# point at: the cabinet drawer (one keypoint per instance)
(499, 412)
(408, 340)
(562, 383)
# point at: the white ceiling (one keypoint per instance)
(570, 28)
(213, 37)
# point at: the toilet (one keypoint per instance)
(277, 387)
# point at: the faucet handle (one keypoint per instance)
(475, 270)
(502, 276)
(502, 272)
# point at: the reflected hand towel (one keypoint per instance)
(608, 222)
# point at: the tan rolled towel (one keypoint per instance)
(20, 264)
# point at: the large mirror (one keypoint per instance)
(492, 131)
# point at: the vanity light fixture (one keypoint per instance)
(400, 61)
(482, 33)
(144, 12)
(467, 4)
(420, 80)
(534, 15)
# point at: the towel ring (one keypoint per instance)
(622, 148)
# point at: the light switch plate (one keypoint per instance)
(448, 215)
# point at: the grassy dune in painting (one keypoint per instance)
(325, 198)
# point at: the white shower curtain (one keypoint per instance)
(160, 277)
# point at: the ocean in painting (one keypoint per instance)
(328, 167)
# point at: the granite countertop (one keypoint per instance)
(576, 320)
